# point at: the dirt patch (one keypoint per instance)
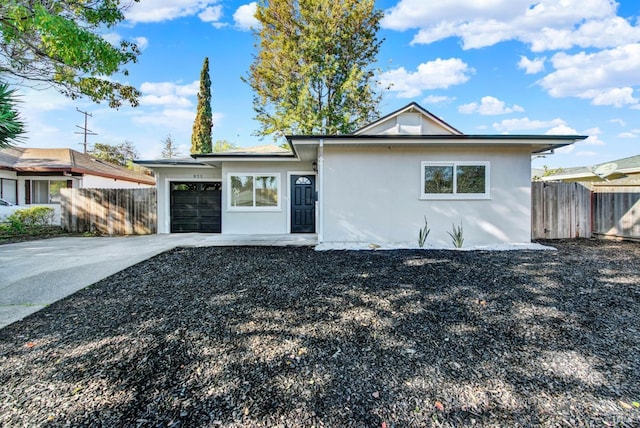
(248, 337)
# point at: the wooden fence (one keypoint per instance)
(571, 210)
(560, 210)
(616, 211)
(109, 211)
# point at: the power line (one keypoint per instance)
(86, 131)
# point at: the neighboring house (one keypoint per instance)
(31, 176)
(617, 173)
(373, 186)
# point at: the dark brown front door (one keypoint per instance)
(303, 204)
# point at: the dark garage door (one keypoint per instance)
(195, 207)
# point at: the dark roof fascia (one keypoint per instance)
(240, 156)
(440, 137)
(43, 171)
(169, 162)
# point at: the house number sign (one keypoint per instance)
(197, 176)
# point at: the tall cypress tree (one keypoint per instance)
(201, 136)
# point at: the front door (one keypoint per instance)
(303, 204)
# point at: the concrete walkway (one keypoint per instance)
(34, 274)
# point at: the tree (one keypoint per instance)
(201, 136)
(121, 154)
(223, 146)
(11, 126)
(58, 43)
(170, 150)
(312, 72)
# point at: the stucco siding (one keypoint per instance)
(255, 220)
(164, 176)
(374, 195)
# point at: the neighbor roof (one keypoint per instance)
(619, 169)
(42, 160)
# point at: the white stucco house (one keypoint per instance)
(376, 185)
(34, 176)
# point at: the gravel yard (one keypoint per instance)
(256, 336)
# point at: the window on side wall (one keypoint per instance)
(254, 191)
(46, 191)
(455, 180)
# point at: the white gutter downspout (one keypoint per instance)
(320, 201)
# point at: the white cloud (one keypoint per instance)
(168, 94)
(115, 39)
(489, 106)
(166, 118)
(544, 24)
(532, 66)
(438, 74)
(593, 140)
(438, 99)
(619, 122)
(244, 17)
(561, 129)
(142, 42)
(606, 77)
(526, 124)
(166, 10)
(586, 153)
(628, 135)
(212, 14)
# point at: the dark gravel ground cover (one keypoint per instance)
(248, 337)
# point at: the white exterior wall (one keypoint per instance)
(373, 195)
(97, 182)
(164, 176)
(256, 221)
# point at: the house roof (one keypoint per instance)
(394, 119)
(616, 170)
(414, 125)
(43, 160)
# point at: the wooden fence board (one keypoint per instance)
(560, 211)
(617, 212)
(109, 211)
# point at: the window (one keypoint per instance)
(254, 191)
(46, 191)
(8, 190)
(455, 180)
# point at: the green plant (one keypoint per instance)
(423, 233)
(30, 219)
(456, 235)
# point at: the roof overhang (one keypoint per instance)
(536, 143)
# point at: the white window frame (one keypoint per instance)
(254, 208)
(455, 195)
(50, 200)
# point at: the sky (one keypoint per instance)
(483, 66)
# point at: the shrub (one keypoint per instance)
(30, 219)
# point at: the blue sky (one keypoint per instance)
(484, 66)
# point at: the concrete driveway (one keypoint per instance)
(37, 273)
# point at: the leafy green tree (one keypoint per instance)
(170, 150)
(312, 72)
(201, 135)
(121, 154)
(223, 146)
(11, 126)
(57, 43)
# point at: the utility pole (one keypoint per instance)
(86, 131)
